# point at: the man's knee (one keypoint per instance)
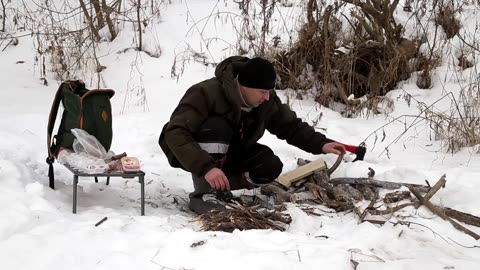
(214, 135)
(267, 170)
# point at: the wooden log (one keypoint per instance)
(301, 162)
(340, 206)
(301, 172)
(279, 195)
(354, 193)
(275, 216)
(256, 200)
(462, 216)
(321, 178)
(396, 196)
(297, 185)
(377, 183)
(369, 193)
(441, 214)
(305, 195)
(341, 194)
(317, 191)
(452, 213)
(390, 210)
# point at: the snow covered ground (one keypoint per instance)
(38, 230)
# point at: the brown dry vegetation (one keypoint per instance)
(374, 60)
(446, 18)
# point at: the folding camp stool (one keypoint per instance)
(77, 173)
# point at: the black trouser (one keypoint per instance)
(259, 161)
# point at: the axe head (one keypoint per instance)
(360, 152)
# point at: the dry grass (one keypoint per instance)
(446, 18)
(375, 60)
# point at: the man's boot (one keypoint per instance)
(204, 199)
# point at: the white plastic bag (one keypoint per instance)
(86, 163)
(86, 143)
(63, 156)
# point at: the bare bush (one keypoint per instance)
(254, 29)
(4, 15)
(102, 16)
(69, 36)
(446, 17)
(368, 61)
(461, 126)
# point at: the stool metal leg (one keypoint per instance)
(142, 198)
(75, 182)
(108, 180)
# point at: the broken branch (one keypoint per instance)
(377, 183)
(441, 214)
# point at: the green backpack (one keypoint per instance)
(89, 110)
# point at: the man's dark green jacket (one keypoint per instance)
(219, 96)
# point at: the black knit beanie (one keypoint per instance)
(258, 73)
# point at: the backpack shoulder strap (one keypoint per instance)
(72, 85)
(51, 119)
(51, 123)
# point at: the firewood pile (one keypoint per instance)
(239, 217)
(317, 190)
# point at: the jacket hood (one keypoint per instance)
(229, 68)
(226, 72)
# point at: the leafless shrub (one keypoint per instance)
(254, 28)
(461, 126)
(251, 28)
(71, 51)
(68, 36)
(183, 58)
(457, 128)
(423, 62)
(369, 61)
(464, 63)
(4, 15)
(7, 40)
(446, 17)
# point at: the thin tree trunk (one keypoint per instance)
(4, 16)
(98, 11)
(119, 6)
(139, 26)
(110, 25)
(89, 20)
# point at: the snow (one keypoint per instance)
(38, 230)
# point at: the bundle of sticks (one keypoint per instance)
(239, 217)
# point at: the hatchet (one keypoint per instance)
(359, 151)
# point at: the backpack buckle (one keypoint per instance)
(50, 160)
